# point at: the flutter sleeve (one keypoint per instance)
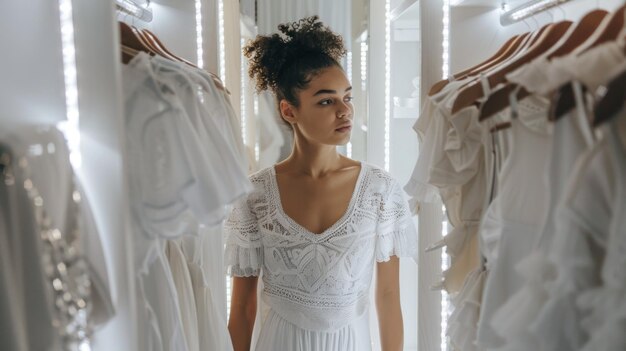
(395, 231)
(244, 250)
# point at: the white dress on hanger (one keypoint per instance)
(517, 211)
(449, 169)
(186, 165)
(607, 304)
(577, 250)
(511, 321)
(317, 286)
(572, 136)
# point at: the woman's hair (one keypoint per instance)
(287, 61)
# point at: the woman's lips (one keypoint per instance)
(344, 129)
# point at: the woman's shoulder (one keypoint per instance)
(261, 183)
(262, 175)
(378, 179)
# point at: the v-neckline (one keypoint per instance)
(337, 223)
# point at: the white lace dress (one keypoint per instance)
(317, 286)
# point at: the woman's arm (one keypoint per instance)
(242, 312)
(388, 305)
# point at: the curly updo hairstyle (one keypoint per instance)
(286, 62)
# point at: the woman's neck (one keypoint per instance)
(314, 160)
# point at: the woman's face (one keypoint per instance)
(325, 112)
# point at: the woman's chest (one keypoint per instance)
(317, 204)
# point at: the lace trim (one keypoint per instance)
(243, 262)
(318, 302)
(397, 243)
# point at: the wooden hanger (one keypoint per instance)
(130, 40)
(151, 43)
(499, 100)
(525, 42)
(472, 93)
(583, 31)
(518, 45)
(531, 38)
(522, 44)
(437, 87)
(563, 102)
(610, 30)
(166, 52)
(612, 102)
(579, 34)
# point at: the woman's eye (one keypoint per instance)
(326, 102)
(348, 99)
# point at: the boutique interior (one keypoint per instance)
(503, 120)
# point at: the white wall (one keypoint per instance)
(31, 65)
(476, 33)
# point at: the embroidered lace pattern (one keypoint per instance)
(319, 281)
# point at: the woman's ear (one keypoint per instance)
(287, 112)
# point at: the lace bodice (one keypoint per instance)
(319, 281)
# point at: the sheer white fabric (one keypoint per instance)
(515, 224)
(318, 282)
(187, 163)
(606, 305)
(572, 136)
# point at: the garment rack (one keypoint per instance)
(132, 8)
(528, 9)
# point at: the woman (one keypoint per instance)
(318, 222)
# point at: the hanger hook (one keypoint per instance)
(551, 15)
(527, 25)
(562, 11)
(125, 16)
(534, 17)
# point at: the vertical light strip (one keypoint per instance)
(70, 128)
(387, 79)
(446, 40)
(256, 105)
(445, 70)
(256, 118)
(242, 102)
(199, 51)
(445, 301)
(349, 66)
(220, 29)
(364, 49)
(349, 69)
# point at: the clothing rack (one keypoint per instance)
(132, 8)
(528, 9)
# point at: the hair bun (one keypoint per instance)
(268, 55)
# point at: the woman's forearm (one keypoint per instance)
(240, 327)
(242, 312)
(391, 327)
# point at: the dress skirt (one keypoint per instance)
(277, 334)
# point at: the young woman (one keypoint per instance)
(317, 223)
